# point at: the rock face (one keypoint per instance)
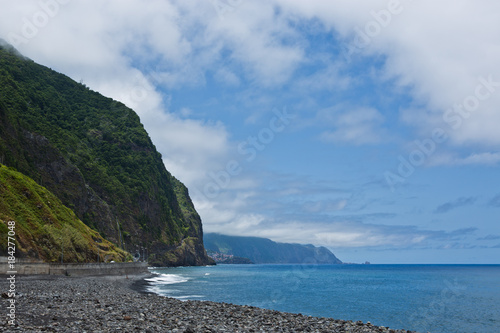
(44, 228)
(96, 157)
(265, 251)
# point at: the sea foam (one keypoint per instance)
(167, 279)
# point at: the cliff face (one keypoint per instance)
(44, 228)
(265, 251)
(96, 157)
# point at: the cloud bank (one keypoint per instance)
(428, 65)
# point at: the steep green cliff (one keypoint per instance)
(94, 154)
(44, 228)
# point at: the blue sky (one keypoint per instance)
(368, 127)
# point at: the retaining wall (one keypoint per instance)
(30, 267)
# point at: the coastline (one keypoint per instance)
(122, 303)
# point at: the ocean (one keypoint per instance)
(424, 298)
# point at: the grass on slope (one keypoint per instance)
(44, 227)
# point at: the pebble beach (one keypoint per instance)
(121, 304)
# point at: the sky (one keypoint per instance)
(369, 127)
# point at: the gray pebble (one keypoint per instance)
(114, 304)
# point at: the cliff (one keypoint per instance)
(94, 154)
(265, 251)
(221, 258)
(44, 228)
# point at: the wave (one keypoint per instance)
(162, 279)
(188, 297)
(155, 290)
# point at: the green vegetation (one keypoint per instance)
(265, 251)
(44, 227)
(103, 138)
(94, 154)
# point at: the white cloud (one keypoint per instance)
(487, 158)
(345, 234)
(322, 206)
(227, 76)
(439, 51)
(327, 78)
(255, 37)
(354, 126)
(440, 60)
(97, 41)
(350, 234)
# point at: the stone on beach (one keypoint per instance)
(116, 304)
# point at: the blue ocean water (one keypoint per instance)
(434, 298)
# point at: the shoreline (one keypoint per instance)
(120, 303)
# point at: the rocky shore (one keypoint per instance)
(119, 304)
